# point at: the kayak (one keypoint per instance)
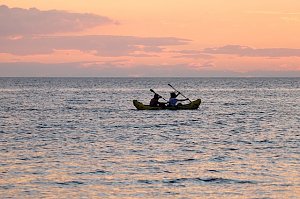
(191, 106)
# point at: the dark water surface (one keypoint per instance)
(82, 138)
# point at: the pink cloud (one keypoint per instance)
(19, 21)
(253, 52)
(101, 45)
(192, 54)
(100, 70)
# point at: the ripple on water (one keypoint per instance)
(198, 180)
(70, 183)
(96, 172)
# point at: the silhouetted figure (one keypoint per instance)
(173, 100)
(154, 101)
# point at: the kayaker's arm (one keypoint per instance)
(181, 100)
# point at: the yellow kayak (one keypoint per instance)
(191, 106)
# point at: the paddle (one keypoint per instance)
(179, 92)
(157, 94)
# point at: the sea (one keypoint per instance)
(83, 138)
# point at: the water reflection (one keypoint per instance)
(78, 138)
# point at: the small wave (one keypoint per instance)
(78, 101)
(9, 186)
(92, 172)
(209, 180)
(228, 104)
(230, 149)
(68, 183)
(173, 161)
(148, 181)
(213, 170)
(225, 180)
(269, 147)
(31, 109)
(43, 126)
(219, 122)
(218, 159)
(198, 180)
(244, 141)
(24, 158)
(184, 160)
(264, 141)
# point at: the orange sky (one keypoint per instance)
(215, 35)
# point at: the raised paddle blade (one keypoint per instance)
(172, 87)
(157, 94)
(152, 90)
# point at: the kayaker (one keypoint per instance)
(154, 101)
(173, 100)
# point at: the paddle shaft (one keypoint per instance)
(179, 92)
(157, 94)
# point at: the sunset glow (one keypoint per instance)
(202, 38)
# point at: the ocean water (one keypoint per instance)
(83, 138)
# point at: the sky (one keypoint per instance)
(156, 38)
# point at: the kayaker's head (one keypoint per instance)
(156, 96)
(173, 95)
